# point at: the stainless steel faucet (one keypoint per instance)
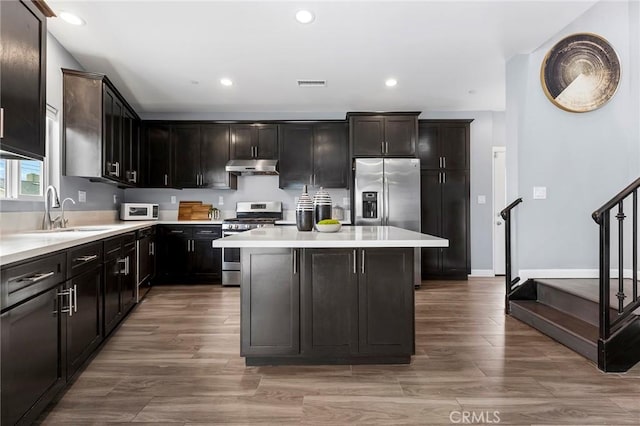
(63, 221)
(47, 222)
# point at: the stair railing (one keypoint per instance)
(509, 283)
(602, 217)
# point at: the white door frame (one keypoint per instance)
(494, 149)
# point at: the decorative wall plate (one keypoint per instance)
(580, 73)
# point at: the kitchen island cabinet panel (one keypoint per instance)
(270, 300)
(386, 302)
(329, 297)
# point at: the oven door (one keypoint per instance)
(230, 256)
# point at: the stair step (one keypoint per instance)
(573, 332)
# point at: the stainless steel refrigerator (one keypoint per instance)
(387, 193)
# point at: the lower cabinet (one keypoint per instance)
(327, 305)
(84, 325)
(32, 364)
(119, 288)
(270, 302)
(186, 254)
(146, 258)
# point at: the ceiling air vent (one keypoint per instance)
(312, 83)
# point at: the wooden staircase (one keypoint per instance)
(568, 311)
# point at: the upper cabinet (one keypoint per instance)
(444, 144)
(381, 135)
(314, 154)
(187, 155)
(100, 136)
(23, 31)
(254, 141)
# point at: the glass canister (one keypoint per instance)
(304, 211)
(322, 205)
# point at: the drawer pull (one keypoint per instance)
(205, 232)
(175, 231)
(86, 258)
(38, 277)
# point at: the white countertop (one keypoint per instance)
(348, 237)
(22, 246)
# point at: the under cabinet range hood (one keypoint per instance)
(252, 167)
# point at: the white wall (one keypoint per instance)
(582, 159)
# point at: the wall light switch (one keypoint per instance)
(482, 199)
(221, 200)
(539, 192)
(173, 199)
(82, 197)
(115, 199)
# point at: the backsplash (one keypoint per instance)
(250, 188)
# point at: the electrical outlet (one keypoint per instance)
(173, 199)
(221, 200)
(82, 197)
(115, 199)
(539, 192)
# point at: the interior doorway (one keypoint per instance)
(499, 203)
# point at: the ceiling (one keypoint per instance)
(169, 56)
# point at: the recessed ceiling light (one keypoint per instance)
(391, 82)
(71, 18)
(304, 16)
(226, 82)
(195, 82)
(472, 92)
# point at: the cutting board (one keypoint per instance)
(193, 210)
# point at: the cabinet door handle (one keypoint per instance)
(69, 294)
(1, 123)
(117, 166)
(128, 265)
(355, 261)
(166, 180)
(75, 298)
(86, 258)
(444, 162)
(256, 151)
(444, 177)
(386, 147)
(440, 162)
(362, 266)
(151, 249)
(382, 146)
(134, 176)
(123, 271)
(295, 261)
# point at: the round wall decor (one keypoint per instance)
(580, 73)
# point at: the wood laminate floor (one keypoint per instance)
(175, 361)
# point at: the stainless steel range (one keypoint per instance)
(249, 215)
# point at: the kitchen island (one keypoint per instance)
(327, 298)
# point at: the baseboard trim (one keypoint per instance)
(482, 273)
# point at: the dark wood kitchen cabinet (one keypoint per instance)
(215, 152)
(327, 305)
(147, 259)
(329, 302)
(381, 135)
(186, 254)
(254, 141)
(98, 136)
(23, 31)
(270, 302)
(444, 144)
(32, 366)
(119, 279)
(314, 154)
(158, 154)
(443, 149)
(185, 142)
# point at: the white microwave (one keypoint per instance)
(138, 211)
